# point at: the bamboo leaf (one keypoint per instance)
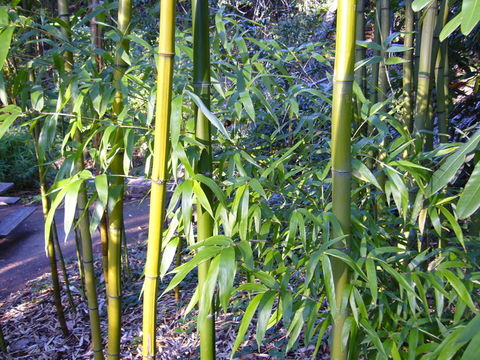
(226, 276)
(183, 270)
(460, 289)
(212, 118)
(451, 26)
(454, 224)
(418, 5)
(202, 198)
(208, 289)
(362, 172)
(469, 200)
(448, 169)
(247, 318)
(70, 207)
(264, 311)
(470, 15)
(394, 60)
(168, 254)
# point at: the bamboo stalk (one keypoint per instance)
(50, 247)
(62, 266)
(166, 49)
(424, 72)
(84, 221)
(441, 74)
(201, 82)
(81, 273)
(360, 73)
(341, 160)
(384, 32)
(104, 241)
(375, 66)
(408, 65)
(114, 288)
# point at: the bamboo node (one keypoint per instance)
(152, 277)
(160, 181)
(166, 54)
(114, 297)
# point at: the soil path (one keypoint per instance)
(22, 253)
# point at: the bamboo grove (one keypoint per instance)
(322, 190)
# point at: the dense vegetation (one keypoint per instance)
(334, 190)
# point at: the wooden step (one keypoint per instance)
(5, 186)
(8, 200)
(11, 221)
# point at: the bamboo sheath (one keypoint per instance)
(341, 159)
(424, 74)
(115, 228)
(166, 49)
(84, 221)
(408, 65)
(201, 82)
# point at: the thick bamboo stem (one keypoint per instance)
(201, 82)
(114, 291)
(408, 65)
(104, 240)
(341, 160)
(360, 73)
(424, 74)
(166, 49)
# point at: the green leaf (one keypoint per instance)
(362, 172)
(212, 118)
(372, 279)
(247, 318)
(469, 200)
(460, 289)
(394, 60)
(226, 276)
(70, 207)
(202, 198)
(208, 289)
(264, 311)
(470, 15)
(183, 270)
(168, 254)
(451, 26)
(5, 40)
(418, 5)
(8, 116)
(454, 224)
(448, 169)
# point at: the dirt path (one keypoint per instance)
(22, 254)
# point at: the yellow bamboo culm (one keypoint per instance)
(166, 48)
(341, 160)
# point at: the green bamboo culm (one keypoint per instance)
(384, 32)
(408, 65)
(201, 83)
(84, 220)
(441, 79)
(360, 73)
(375, 66)
(63, 266)
(115, 216)
(49, 244)
(424, 71)
(166, 49)
(341, 161)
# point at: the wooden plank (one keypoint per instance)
(10, 222)
(4, 187)
(8, 200)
